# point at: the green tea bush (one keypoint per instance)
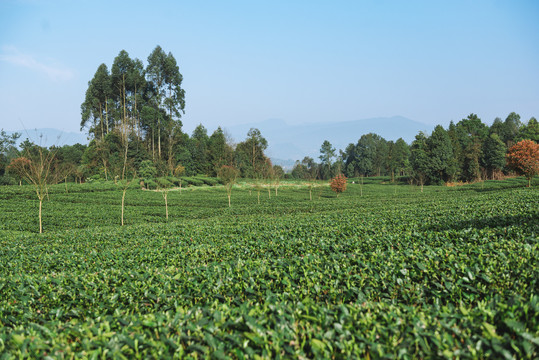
(208, 181)
(192, 181)
(447, 273)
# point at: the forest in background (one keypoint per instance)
(133, 116)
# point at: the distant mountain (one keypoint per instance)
(47, 137)
(294, 142)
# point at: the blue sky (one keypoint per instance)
(299, 61)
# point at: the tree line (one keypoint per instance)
(466, 151)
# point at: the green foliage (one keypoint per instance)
(192, 181)
(150, 184)
(208, 180)
(163, 182)
(147, 169)
(449, 273)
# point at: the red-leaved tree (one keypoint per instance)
(338, 184)
(523, 158)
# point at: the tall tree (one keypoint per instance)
(249, 154)
(493, 154)
(122, 67)
(327, 153)
(381, 155)
(7, 149)
(164, 74)
(440, 154)
(401, 157)
(419, 158)
(530, 131)
(365, 153)
(471, 133)
(512, 126)
(96, 101)
(199, 150)
(219, 151)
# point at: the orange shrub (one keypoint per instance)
(523, 158)
(338, 184)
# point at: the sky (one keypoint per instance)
(298, 61)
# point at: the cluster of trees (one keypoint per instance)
(133, 113)
(466, 151)
(198, 154)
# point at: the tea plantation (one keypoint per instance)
(382, 271)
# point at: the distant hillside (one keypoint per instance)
(294, 142)
(48, 137)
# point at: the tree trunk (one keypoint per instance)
(123, 198)
(40, 224)
(159, 138)
(153, 145)
(101, 118)
(107, 114)
(66, 183)
(166, 206)
(228, 200)
(125, 113)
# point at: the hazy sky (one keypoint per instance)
(300, 61)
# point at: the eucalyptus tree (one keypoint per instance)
(419, 158)
(96, 101)
(128, 84)
(167, 94)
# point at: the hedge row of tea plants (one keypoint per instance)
(448, 273)
(171, 181)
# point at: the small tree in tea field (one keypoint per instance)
(338, 184)
(36, 169)
(228, 175)
(163, 185)
(523, 158)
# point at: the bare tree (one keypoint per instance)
(35, 168)
(164, 187)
